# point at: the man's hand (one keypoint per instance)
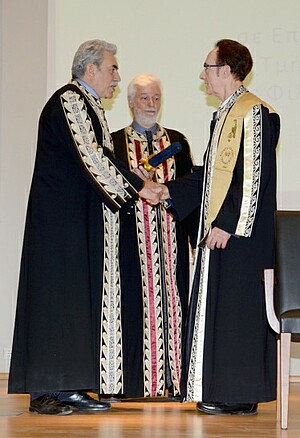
(151, 192)
(217, 238)
(165, 194)
(142, 173)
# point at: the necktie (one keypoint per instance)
(149, 137)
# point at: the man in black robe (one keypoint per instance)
(68, 333)
(155, 251)
(230, 358)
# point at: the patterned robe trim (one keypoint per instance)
(105, 174)
(245, 114)
(252, 171)
(99, 110)
(194, 382)
(111, 363)
(221, 114)
(154, 353)
(252, 165)
(212, 203)
(229, 132)
(252, 119)
(114, 186)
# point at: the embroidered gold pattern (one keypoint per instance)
(152, 281)
(253, 156)
(233, 130)
(226, 156)
(111, 369)
(113, 185)
(195, 371)
(98, 165)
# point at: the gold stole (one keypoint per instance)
(227, 152)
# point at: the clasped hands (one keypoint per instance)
(152, 192)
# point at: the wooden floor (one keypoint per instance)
(144, 420)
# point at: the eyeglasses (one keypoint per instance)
(207, 66)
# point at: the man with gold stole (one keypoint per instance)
(230, 358)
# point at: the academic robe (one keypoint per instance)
(68, 333)
(230, 354)
(154, 257)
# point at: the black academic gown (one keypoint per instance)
(153, 339)
(230, 349)
(60, 307)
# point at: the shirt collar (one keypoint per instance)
(142, 130)
(87, 87)
(227, 104)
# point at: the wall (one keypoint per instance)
(172, 42)
(171, 39)
(23, 82)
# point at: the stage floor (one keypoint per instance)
(145, 419)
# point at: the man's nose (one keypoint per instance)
(117, 76)
(202, 75)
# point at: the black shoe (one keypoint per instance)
(83, 402)
(173, 398)
(227, 409)
(110, 398)
(49, 405)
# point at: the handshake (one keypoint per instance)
(152, 192)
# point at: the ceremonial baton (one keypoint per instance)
(155, 160)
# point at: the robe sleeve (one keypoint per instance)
(185, 166)
(186, 192)
(117, 185)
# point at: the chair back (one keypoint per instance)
(287, 261)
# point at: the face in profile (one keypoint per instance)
(106, 76)
(212, 75)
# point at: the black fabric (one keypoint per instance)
(132, 303)
(239, 347)
(186, 192)
(56, 337)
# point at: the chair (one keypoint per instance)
(284, 315)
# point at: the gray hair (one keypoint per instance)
(90, 52)
(142, 80)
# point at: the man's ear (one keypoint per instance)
(90, 69)
(226, 70)
(130, 103)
